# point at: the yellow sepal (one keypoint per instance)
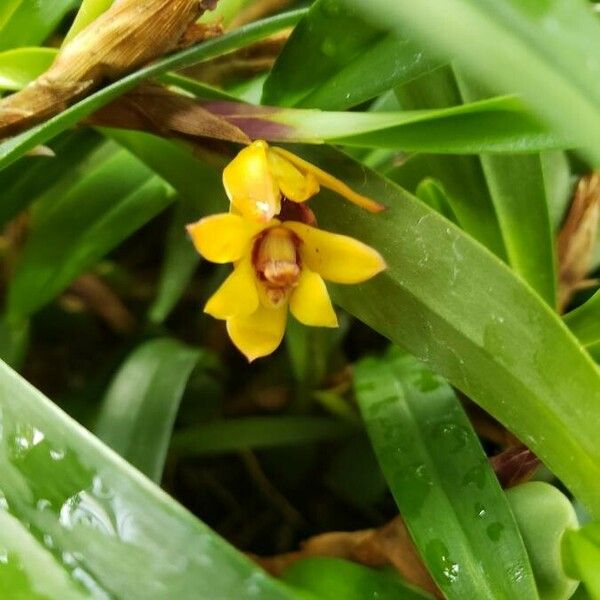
(310, 302)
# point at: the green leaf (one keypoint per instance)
(21, 66)
(447, 492)
(140, 406)
(187, 175)
(454, 305)
(337, 579)
(70, 234)
(544, 50)
(461, 176)
(258, 432)
(29, 571)
(521, 197)
(75, 153)
(88, 12)
(325, 61)
(110, 529)
(581, 557)
(14, 148)
(457, 129)
(584, 322)
(30, 22)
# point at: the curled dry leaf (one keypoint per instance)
(157, 110)
(515, 465)
(130, 34)
(387, 546)
(577, 238)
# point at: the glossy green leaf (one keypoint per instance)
(30, 22)
(440, 477)
(69, 234)
(113, 532)
(520, 194)
(545, 50)
(328, 56)
(584, 322)
(139, 408)
(258, 432)
(454, 305)
(508, 127)
(14, 148)
(337, 579)
(461, 176)
(581, 557)
(21, 66)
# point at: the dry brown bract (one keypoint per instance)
(130, 34)
(577, 238)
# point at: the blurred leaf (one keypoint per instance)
(14, 341)
(461, 176)
(88, 12)
(325, 61)
(544, 514)
(30, 22)
(139, 408)
(75, 153)
(581, 557)
(29, 571)
(111, 530)
(440, 477)
(201, 193)
(14, 148)
(21, 66)
(179, 263)
(337, 579)
(252, 433)
(433, 194)
(584, 322)
(521, 197)
(454, 305)
(70, 234)
(549, 52)
(557, 177)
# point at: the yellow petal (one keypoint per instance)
(237, 296)
(337, 258)
(224, 237)
(260, 333)
(310, 302)
(331, 182)
(293, 184)
(250, 185)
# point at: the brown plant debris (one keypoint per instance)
(157, 110)
(577, 239)
(515, 465)
(387, 546)
(130, 34)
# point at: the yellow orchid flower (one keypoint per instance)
(277, 265)
(259, 177)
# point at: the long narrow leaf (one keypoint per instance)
(442, 482)
(140, 406)
(111, 529)
(325, 61)
(547, 51)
